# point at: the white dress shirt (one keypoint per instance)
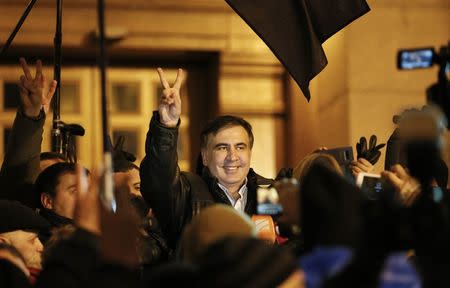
(238, 204)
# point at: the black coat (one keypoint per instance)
(176, 196)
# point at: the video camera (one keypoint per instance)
(418, 58)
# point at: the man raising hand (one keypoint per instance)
(21, 164)
(226, 145)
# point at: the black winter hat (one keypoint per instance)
(16, 216)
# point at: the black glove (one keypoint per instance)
(371, 154)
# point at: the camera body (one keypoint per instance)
(418, 58)
(344, 156)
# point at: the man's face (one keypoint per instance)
(64, 202)
(28, 244)
(130, 179)
(227, 155)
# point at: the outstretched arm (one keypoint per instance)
(21, 163)
(161, 185)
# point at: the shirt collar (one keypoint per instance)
(242, 191)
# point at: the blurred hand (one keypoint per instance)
(407, 187)
(360, 165)
(170, 105)
(120, 231)
(87, 207)
(320, 149)
(35, 93)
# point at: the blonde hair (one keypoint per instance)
(323, 159)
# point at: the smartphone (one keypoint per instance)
(371, 185)
(268, 202)
(415, 58)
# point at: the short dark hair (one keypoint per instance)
(124, 166)
(47, 181)
(52, 156)
(213, 126)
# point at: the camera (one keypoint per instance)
(418, 58)
(372, 185)
(410, 59)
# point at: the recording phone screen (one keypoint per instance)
(415, 59)
(268, 202)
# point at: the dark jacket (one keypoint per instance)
(20, 167)
(176, 196)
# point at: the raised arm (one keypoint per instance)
(21, 163)
(161, 184)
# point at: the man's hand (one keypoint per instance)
(120, 230)
(87, 207)
(35, 93)
(361, 165)
(170, 105)
(407, 187)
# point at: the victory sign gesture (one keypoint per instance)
(35, 93)
(170, 105)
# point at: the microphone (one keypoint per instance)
(265, 228)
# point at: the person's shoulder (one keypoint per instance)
(197, 185)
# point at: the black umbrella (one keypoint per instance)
(295, 29)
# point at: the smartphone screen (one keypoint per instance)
(415, 58)
(372, 187)
(268, 202)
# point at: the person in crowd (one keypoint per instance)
(124, 169)
(21, 164)
(19, 227)
(212, 224)
(152, 244)
(226, 149)
(130, 172)
(248, 262)
(55, 191)
(101, 252)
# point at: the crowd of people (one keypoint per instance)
(175, 228)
